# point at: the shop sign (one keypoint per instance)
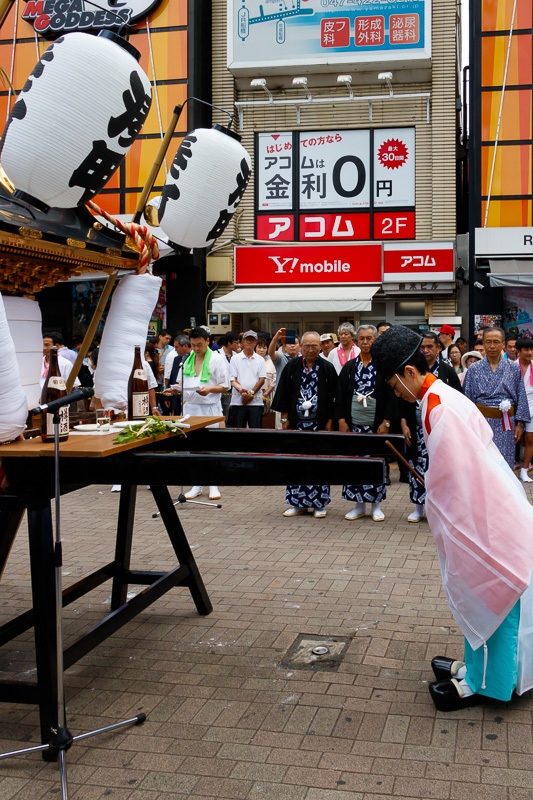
(394, 225)
(504, 241)
(418, 261)
(273, 165)
(331, 227)
(308, 264)
(334, 169)
(337, 171)
(336, 227)
(54, 17)
(327, 33)
(421, 287)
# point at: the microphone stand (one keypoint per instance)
(61, 738)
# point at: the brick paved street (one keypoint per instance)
(224, 719)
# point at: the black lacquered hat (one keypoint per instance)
(392, 350)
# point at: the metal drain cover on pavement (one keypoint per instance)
(309, 651)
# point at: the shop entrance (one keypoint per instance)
(323, 323)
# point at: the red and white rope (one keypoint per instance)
(142, 236)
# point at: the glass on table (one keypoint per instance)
(103, 419)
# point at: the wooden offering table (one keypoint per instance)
(228, 457)
(29, 467)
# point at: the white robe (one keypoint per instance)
(481, 521)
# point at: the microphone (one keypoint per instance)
(55, 405)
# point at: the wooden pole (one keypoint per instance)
(156, 166)
(91, 330)
(5, 6)
(405, 462)
(104, 297)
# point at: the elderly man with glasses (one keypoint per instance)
(305, 396)
(495, 385)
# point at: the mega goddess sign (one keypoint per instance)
(51, 17)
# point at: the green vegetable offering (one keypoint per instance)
(152, 426)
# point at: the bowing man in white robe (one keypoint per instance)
(482, 524)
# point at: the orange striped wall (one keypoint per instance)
(510, 164)
(168, 31)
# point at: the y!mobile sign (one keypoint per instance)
(275, 34)
(308, 264)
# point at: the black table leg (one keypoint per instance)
(9, 525)
(126, 516)
(41, 539)
(181, 548)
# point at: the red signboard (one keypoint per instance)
(394, 225)
(369, 31)
(335, 32)
(308, 264)
(276, 227)
(334, 227)
(418, 261)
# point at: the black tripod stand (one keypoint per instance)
(61, 738)
(183, 499)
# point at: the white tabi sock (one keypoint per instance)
(467, 691)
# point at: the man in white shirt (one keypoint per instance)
(247, 375)
(55, 339)
(65, 366)
(182, 347)
(231, 344)
(328, 342)
(202, 378)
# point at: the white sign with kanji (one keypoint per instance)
(274, 171)
(334, 169)
(394, 167)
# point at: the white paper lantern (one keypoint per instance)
(13, 403)
(204, 186)
(76, 118)
(126, 325)
(25, 326)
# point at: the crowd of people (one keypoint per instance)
(328, 382)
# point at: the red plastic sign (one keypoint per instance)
(308, 264)
(418, 261)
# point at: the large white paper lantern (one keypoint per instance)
(76, 118)
(204, 186)
(13, 403)
(126, 325)
(25, 326)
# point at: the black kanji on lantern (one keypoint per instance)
(95, 170)
(17, 112)
(242, 182)
(220, 225)
(170, 192)
(137, 104)
(181, 158)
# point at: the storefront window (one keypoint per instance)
(410, 308)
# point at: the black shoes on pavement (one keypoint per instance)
(446, 692)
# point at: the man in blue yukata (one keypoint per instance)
(305, 395)
(495, 385)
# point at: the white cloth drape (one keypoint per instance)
(126, 326)
(13, 403)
